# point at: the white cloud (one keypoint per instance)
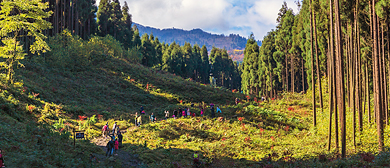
(215, 16)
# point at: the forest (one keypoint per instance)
(85, 20)
(314, 94)
(343, 43)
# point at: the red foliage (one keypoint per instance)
(99, 116)
(290, 109)
(31, 108)
(82, 118)
(273, 99)
(240, 118)
(223, 139)
(181, 101)
(286, 128)
(248, 98)
(272, 138)
(247, 139)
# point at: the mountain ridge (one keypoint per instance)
(232, 42)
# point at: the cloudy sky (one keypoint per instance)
(215, 16)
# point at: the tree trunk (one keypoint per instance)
(76, 26)
(303, 75)
(330, 55)
(332, 85)
(377, 81)
(292, 73)
(359, 69)
(352, 83)
(340, 79)
(388, 64)
(317, 60)
(286, 62)
(368, 93)
(384, 81)
(312, 69)
(56, 16)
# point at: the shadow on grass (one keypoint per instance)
(175, 157)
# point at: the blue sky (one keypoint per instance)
(215, 16)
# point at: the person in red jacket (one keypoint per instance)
(116, 144)
(1, 159)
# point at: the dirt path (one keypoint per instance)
(127, 159)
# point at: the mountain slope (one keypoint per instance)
(200, 37)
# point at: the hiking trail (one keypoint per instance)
(127, 159)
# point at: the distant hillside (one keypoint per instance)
(200, 37)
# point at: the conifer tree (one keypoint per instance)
(18, 16)
(103, 16)
(249, 72)
(205, 66)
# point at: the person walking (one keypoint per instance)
(1, 159)
(110, 146)
(113, 128)
(183, 113)
(201, 112)
(188, 112)
(196, 158)
(174, 114)
(212, 110)
(116, 145)
(105, 130)
(135, 118)
(152, 117)
(120, 139)
(218, 109)
(139, 121)
(180, 112)
(166, 114)
(117, 129)
(141, 110)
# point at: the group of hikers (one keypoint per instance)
(182, 112)
(115, 136)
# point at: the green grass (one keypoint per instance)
(38, 114)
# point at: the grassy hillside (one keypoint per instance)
(39, 113)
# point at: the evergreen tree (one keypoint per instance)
(136, 40)
(127, 34)
(116, 19)
(18, 16)
(205, 66)
(103, 17)
(197, 61)
(250, 66)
